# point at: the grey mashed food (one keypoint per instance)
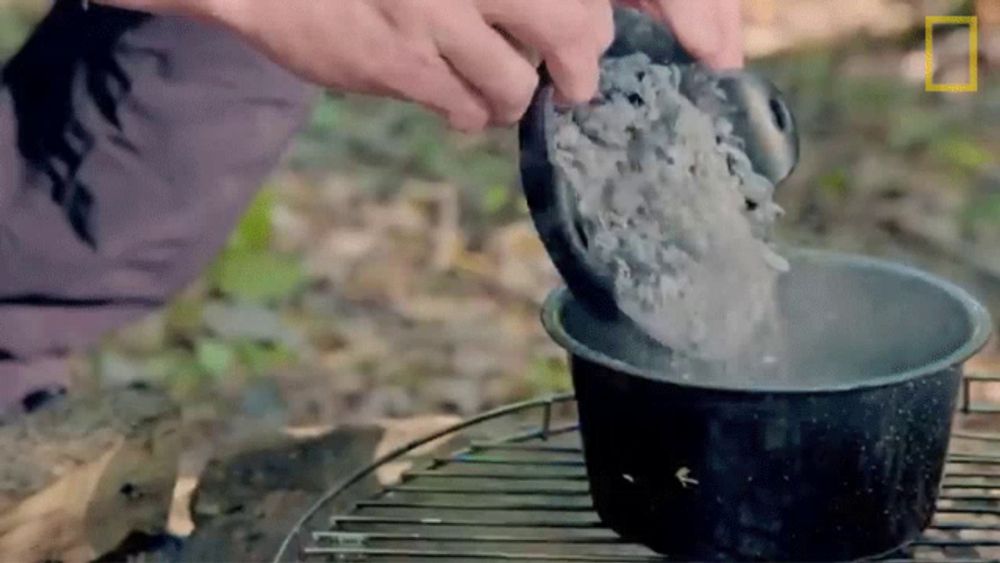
(670, 206)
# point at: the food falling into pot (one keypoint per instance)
(669, 207)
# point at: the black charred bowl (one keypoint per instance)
(842, 460)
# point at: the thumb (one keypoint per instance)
(711, 30)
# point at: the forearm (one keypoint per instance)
(464, 59)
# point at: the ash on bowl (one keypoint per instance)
(671, 209)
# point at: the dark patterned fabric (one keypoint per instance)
(129, 146)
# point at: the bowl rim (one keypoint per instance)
(978, 316)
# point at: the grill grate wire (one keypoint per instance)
(524, 497)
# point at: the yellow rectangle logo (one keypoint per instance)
(973, 23)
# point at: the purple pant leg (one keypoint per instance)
(129, 147)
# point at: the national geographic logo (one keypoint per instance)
(973, 23)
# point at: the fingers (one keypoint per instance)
(730, 55)
(477, 68)
(696, 26)
(491, 65)
(570, 36)
(711, 30)
(603, 16)
(480, 68)
(429, 80)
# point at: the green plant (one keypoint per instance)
(17, 19)
(549, 375)
(961, 152)
(836, 184)
(248, 270)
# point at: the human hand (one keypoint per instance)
(711, 30)
(470, 60)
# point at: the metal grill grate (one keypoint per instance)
(525, 498)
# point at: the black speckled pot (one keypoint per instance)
(811, 469)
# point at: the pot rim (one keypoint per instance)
(977, 315)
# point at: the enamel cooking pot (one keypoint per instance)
(839, 460)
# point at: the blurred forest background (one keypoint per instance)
(389, 268)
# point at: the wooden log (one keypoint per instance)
(81, 475)
(247, 499)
